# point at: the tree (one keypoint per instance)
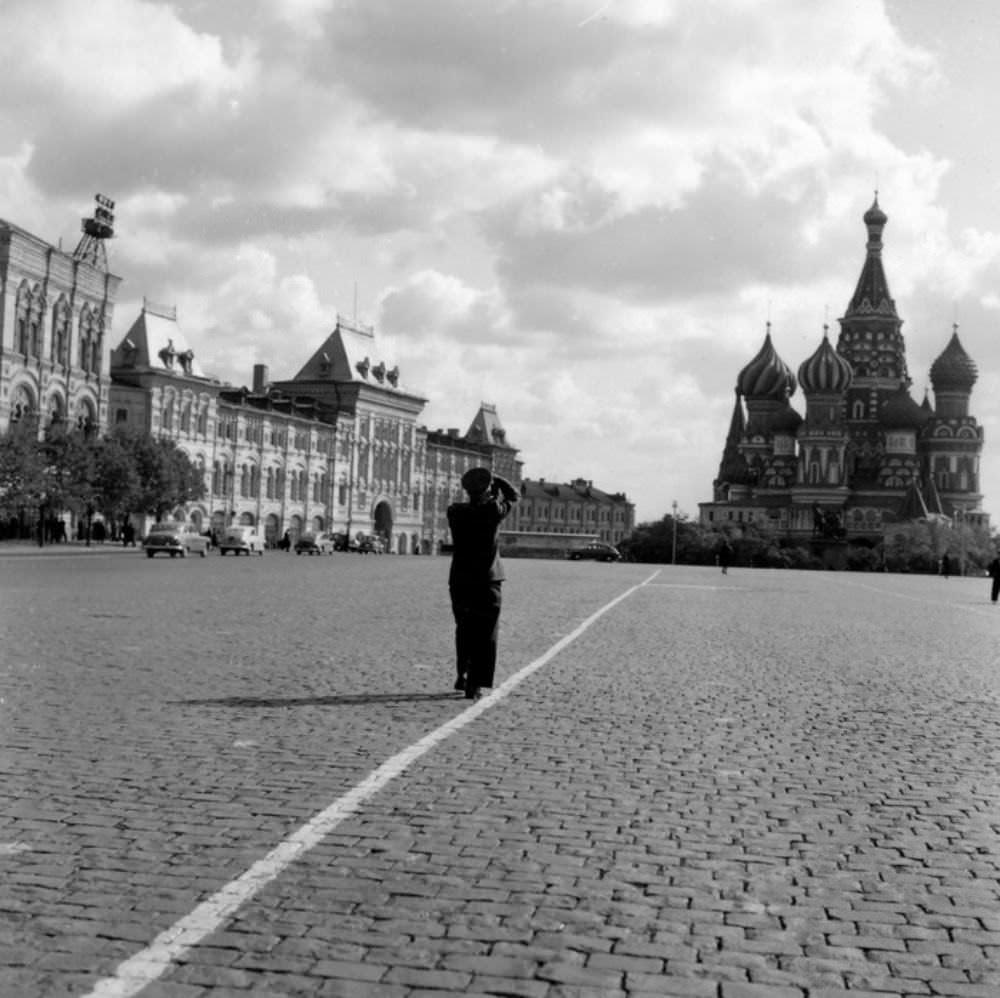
(21, 467)
(654, 542)
(165, 476)
(116, 478)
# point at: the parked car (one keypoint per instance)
(370, 544)
(595, 551)
(341, 542)
(314, 544)
(174, 539)
(242, 540)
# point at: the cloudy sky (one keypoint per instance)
(583, 211)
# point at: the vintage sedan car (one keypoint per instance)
(315, 544)
(175, 539)
(595, 551)
(242, 540)
(370, 544)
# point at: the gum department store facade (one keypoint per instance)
(336, 448)
(866, 455)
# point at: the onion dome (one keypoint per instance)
(786, 420)
(826, 372)
(954, 370)
(875, 215)
(767, 375)
(902, 413)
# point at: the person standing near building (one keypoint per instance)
(476, 576)
(995, 576)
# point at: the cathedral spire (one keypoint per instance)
(871, 338)
(872, 293)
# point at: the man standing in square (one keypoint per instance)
(477, 576)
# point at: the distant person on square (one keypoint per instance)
(995, 576)
(477, 576)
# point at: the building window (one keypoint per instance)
(121, 415)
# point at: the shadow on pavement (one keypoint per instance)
(345, 700)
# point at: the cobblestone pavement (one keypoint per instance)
(759, 785)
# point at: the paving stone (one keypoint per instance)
(780, 784)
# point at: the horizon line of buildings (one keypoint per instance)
(337, 447)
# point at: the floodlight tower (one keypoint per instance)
(101, 226)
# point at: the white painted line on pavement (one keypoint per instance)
(146, 966)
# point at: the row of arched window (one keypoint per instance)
(29, 332)
(247, 483)
(186, 418)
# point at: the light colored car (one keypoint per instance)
(315, 544)
(242, 540)
(174, 539)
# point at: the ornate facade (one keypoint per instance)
(865, 454)
(335, 448)
(55, 316)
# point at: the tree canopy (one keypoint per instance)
(124, 472)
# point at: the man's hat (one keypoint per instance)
(477, 480)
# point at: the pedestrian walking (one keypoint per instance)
(725, 555)
(995, 576)
(477, 575)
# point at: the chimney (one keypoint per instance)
(260, 377)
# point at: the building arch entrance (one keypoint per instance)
(383, 522)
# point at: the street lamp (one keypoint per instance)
(960, 517)
(673, 555)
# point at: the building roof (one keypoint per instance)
(486, 427)
(350, 353)
(579, 489)
(156, 342)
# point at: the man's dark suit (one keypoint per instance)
(475, 582)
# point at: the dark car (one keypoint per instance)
(314, 544)
(595, 551)
(370, 544)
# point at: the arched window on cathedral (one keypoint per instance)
(216, 479)
(858, 409)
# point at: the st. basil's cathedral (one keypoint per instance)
(865, 455)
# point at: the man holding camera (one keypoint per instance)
(477, 575)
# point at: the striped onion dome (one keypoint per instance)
(954, 370)
(825, 372)
(767, 375)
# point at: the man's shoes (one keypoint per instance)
(473, 693)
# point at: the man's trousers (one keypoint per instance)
(476, 607)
